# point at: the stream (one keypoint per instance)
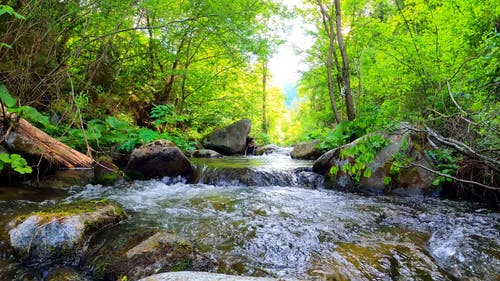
(269, 216)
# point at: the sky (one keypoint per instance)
(286, 64)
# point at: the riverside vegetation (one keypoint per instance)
(396, 94)
(112, 75)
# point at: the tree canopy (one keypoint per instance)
(107, 72)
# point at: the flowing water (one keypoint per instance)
(269, 216)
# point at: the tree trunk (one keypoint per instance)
(328, 25)
(23, 138)
(264, 96)
(346, 81)
(169, 83)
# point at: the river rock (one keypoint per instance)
(105, 172)
(58, 233)
(65, 274)
(229, 140)
(266, 149)
(202, 276)
(307, 150)
(158, 159)
(160, 252)
(63, 179)
(409, 181)
(205, 153)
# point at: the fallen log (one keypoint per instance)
(23, 138)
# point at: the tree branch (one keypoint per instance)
(149, 27)
(463, 148)
(454, 178)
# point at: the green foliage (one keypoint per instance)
(164, 115)
(387, 180)
(447, 164)
(117, 132)
(16, 162)
(27, 112)
(402, 54)
(345, 132)
(262, 138)
(334, 170)
(362, 153)
(6, 9)
(5, 97)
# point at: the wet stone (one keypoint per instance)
(58, 233)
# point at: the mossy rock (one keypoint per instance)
(160, 252)
(105, 172)
(58, 233)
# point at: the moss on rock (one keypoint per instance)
(59, 232)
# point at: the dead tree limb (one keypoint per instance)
(463, 148)
(26, 139)
(454, 178)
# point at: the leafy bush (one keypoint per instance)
(164, 115)
(347, 131)
(447, 164)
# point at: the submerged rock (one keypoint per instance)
(158, 159)
(160, 252)
(205, 153)
(307, 150)
(202, 276)
(62, 179)
(65, 274)
(59, 233)
(229, 140)
(266, 149)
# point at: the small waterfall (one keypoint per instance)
(275, 169)
(297, 177)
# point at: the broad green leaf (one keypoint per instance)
(367, 173)
(5, 97)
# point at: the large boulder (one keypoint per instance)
(202, 276)
(307, 150)
(411, 180)
(59, 233)
(158, 159)
(229, 140)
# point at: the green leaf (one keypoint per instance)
(334, 170)
(5, 9)
(387, 180)
(5, 45)
(5, 158)
(117, 124)
(5, 97)
(436, 182)
(367, 173)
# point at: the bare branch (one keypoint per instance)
(454, 178)
(463, 148)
